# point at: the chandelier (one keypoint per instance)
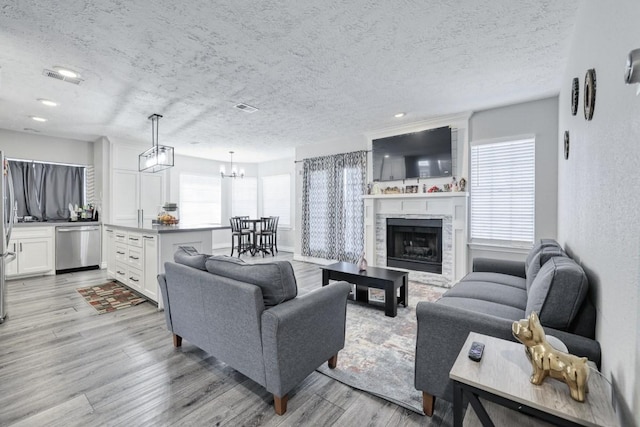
(158, 157)
(234, 173)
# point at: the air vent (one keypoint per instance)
(246, 108)
(57, 75)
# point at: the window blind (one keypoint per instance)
(502, 187)
(244, 197)
(200, 199)
(276, 198)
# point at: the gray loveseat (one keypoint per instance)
(248, 316)
(490, 298)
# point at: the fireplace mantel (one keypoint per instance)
(442, 194)
(451, 207)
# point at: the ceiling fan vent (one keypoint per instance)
(246, 108)
(57, 75)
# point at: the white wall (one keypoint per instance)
(187, 164)
(28, 146)
(598, 208)
(286, 234)
(539, 118)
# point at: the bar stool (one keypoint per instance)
(240, 234)
(266, 235)
(275, 232)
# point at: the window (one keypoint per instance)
(276, 198)
(502, 187)
(200, 199)
(45, 190)
(244, 197)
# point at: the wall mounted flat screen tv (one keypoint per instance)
(424, 154)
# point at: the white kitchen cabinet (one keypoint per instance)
(34, 251)
(111, 253)
(126, 196)
(134, 260)
(150, 242)
(133, 190)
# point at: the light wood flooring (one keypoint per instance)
(62, 364)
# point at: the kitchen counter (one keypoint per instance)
(136, 255)
(55, 223)
(178, 228)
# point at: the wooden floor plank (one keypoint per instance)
(59, 415)
(61, 363)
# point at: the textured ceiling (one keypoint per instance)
(315, 70)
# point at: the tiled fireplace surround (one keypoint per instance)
(450, 207)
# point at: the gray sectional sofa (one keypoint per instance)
(250, 317)
(490, 298)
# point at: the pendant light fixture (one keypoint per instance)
(234, 173)
(158, 157)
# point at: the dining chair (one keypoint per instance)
(275, 232)
(266, 235)
(239, 234)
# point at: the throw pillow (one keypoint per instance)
(276, 279)
(189, 256)
(557, 292)
(538, 260)
(542, 243)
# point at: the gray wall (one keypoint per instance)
(598, 209)
(28, 146)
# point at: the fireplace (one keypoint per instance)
(415, 244)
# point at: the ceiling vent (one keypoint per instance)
(57, 75)
(246, 108)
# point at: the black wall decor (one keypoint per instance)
(575, 95)
(566, 144)
(589, 93)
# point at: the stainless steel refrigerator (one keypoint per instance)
(7, 216)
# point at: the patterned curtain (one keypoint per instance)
(332, 209)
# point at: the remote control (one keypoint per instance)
(475, 352)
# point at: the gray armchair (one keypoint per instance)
(248, 316)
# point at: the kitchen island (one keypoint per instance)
(136, 255)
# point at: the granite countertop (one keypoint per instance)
(56, 223)
(169, 228)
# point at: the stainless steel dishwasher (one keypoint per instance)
(78, 247)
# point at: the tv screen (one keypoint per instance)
(424, 154)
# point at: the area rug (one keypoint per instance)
(110, 297)
(379, 352)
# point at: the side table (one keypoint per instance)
(502, 376)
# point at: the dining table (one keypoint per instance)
(252, 225)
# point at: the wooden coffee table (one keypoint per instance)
(502, 377)
(372, 277)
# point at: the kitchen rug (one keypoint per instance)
(379, 351)
(110, 297)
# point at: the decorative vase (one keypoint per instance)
(362, 263)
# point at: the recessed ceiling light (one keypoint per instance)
(38, 119)
(48, 102)
(246, 108)
(397, 116)
(66, 72)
